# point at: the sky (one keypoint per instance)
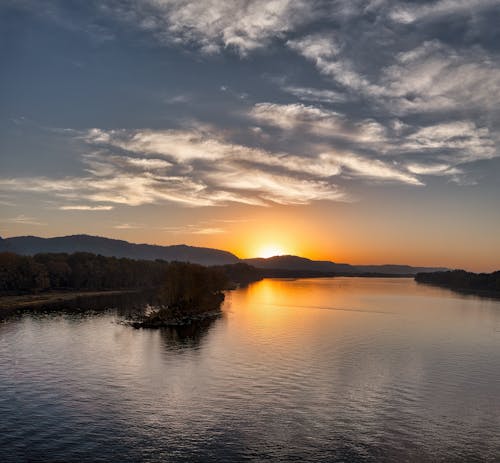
(360, 131)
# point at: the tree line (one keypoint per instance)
(78, 271)
(86, 271)
(462, 280)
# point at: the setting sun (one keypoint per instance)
(270, 250)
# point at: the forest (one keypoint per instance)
(460, 280)
(80, 271)
(85, 271)
(181, 291)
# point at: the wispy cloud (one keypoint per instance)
(208, 231)
(200, 167)
(311, 119)
(407, 13)
(373, 168)
(458, 142)
(197, 229)
(128, 226)
(6, 202)
(326, 52)
(374, 151)
(434, 77)
(189, 167)
(178, 99)
(85, 208)
(316, 95)
(23, 220)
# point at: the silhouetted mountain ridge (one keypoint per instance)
(303, 264)
(289, 262)
(30, 245)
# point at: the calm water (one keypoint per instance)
(344, 369)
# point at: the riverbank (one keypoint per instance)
(12, 304)
(176, 321)
(130, 303)
(460, 281)
(490, 294)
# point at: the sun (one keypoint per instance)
(270, 250)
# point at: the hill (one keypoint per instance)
(307, 265)
(299, 264)
(30, 245)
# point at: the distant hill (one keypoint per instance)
(324, 266)
(273, 266)
(392, 269)
(300, 264)
(30, 245)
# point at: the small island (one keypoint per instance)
(189, 293)
(480, 284)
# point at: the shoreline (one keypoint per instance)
(482, 293)
(13, 303)
(175, 322)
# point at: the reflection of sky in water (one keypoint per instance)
(319, 369)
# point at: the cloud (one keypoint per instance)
(434, 77)
(85, 208)
(458, 142)
(212, 25)
(447, 95)
(128, 226)
(407, 13)
(326, 52)
(204, 228)
(315, 94)
(208, 231)
(431, 77)
(148, 164)
(281, 189)
(178, 99)
(23, 220)
(411, 75)
(117, 187)
(189, 148)
(319, 47)
(194, 230)
(372, 168)
(201, 166)
(317, 121)
(431, 169)
(188, 167)
(367, 148)
(6, 202)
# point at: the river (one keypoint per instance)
(333, 370)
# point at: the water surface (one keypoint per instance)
(344, 369)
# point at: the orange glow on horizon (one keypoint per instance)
(343, 238)
(270, 250)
